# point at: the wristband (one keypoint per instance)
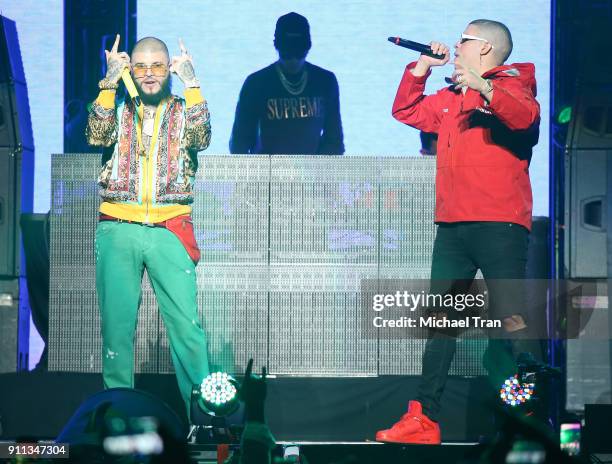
(192, 84)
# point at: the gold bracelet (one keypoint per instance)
(105, 84)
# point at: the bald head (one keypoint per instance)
(498, 35)
(151, 45)
(150, 62)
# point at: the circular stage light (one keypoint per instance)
(515, 393)
(218, 394)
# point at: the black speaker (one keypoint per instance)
(588, 148)
(8, 231)
(16, 149)
(15, 121)
(16, 188)
(35, 234)
(597, 437)
(14, 326)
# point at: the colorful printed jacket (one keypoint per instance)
(163, 178)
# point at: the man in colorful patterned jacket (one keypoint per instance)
(146, 185)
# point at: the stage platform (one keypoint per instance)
(366, 453)
(353, 452)
(317, 410)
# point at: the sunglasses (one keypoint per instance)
(466, 37)
(157, 69)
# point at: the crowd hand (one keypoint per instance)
(253, 393)
(253, 390)
(464, 76)
(182, 66)
(116, 62)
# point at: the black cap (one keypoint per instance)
(292, 33)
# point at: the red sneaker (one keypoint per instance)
(413, 427)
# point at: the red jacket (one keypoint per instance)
(484, 149)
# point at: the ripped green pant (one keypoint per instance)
(123, 252)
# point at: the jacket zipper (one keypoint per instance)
(147, 196)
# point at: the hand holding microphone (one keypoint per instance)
(416, 46)
(434, 54)
(425, 62)
(118, 67)
(438, 49)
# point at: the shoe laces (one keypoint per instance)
(409, 417)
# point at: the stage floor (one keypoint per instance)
(316, 410)
(365, 453)
(349, 452)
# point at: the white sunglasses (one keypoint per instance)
(466, 37)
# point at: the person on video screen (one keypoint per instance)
(290, 106)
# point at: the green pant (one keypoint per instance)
(123, 251)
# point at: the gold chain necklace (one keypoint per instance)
(293, 89)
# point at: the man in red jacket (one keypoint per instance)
(487, 123)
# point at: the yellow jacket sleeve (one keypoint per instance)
(193, 96)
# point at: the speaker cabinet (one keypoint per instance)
(586, 163)
(16, 169)
(14, 326)
(15, 121)
(16, 149)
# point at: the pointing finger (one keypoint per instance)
(115, 45)
(182, 46)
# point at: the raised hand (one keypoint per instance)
(116, 62)
(253, 392)
(426, 62)
(465, 76)
(439, 49)
(182, 66)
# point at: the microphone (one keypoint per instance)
(129, 85)
(418, 47)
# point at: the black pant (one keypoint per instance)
(499, 250)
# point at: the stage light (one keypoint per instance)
(216, 412)
(513, 392)
(565, 115)
(217, 395)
